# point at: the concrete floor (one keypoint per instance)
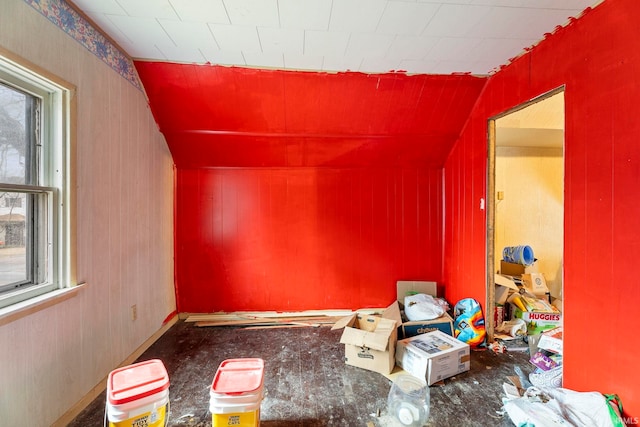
(307, 383)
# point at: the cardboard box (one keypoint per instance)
(369, 340)
(535, 283)
(537, 321)
(505, 286)
(551, 341)
(511, 269)
(433, 356)
(407, 328)
(542, 361)
(403, 287)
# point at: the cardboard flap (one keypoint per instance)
(421, 287)
(360, 338)
(506, 282)
(393, 313)
(344, 322)
(376, 340)
(367, 323)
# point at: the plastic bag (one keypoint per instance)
(469, 322)
(422, 307)
(588, 409)
(563, 407)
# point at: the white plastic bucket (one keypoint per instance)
(237, 392)
(138, 395)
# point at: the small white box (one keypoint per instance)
(433, 356)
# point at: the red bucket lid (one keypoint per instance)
(136, 381)
(238, 376)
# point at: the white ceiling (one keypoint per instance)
(372, 36)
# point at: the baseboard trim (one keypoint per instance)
(75, 410)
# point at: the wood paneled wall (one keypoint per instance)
(304, 238)
(51, 359)
(597, 59)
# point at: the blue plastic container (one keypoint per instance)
(518, 254)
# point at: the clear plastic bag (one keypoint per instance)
(422, 307)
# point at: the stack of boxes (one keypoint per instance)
(522, 293)
(387, 342)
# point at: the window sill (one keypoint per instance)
(25, 308)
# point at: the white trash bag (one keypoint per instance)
(552, 407)
(422, 307)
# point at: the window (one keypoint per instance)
(11, 202)
(34, 243)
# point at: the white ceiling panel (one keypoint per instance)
(224, 57)
(356, 15)
(498, 48)
(236, 37)
(101, 7)
(456, 20)
(148, 8)
(187, 35)
(406, 18)
(418, 67)
(411, 47)
(179, 54)
(263, 13)
(141, 32)
(303, 62)
(326, 43)
(452, 49)
(342, 63)
(206, 11)
(509, 22)
(278, 40)
(371, 65)
(305, 14)
(420, 36)
(267, 60)
(369, 45)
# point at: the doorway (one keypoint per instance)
(526, 191)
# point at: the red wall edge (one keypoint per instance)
(304, 238)
(598, 59)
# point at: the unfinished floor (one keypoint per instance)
(307, 383)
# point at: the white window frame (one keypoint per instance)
(52, 248)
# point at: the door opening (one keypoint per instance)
(525, 192)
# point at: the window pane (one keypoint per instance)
(13, 240)
(17, 113)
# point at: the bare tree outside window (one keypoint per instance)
(13, 140)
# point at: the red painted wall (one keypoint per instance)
(304, 238)
(214, 116)
(598, 59)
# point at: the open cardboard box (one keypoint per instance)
(408, 329)
(369, 340)
(505, 286)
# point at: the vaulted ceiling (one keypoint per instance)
(222, 116)
(344, 83)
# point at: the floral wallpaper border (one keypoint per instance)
(72, 23)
